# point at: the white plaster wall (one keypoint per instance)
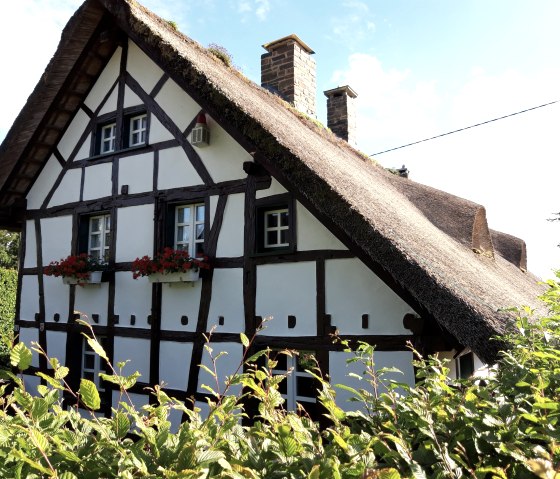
(226, 365)
(137, 352)
(68, 190)
(97, 181)
(180, 299)
(30, 260)
(176, 170)
(105, 81)
(31, 383)
(311, 234)
(110, 104)
(174, 364)
(72, 134)
(352, 290)
(131, 98)
(224, 157)
(56, 233)
(92, 299)
(135, 232)
(339, 370)
(138, 400)
(227, 301)
(141, 68)
(56, 298)
(83, 152)
(132, 296)
(43, 184)
(27, 336)
(230, 241)
(275, 189)
(56, 346)
(137, 172)
(157, 131)
(30, 298)
(179, 106)
(287, 289)
(174, 417)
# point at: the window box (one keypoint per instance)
(189, 276)
(94, 278)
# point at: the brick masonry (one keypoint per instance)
(341, 113)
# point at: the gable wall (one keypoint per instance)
(304, 294)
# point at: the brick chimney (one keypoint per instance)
(341, 113)
(289, 70)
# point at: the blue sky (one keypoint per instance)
(420, 68)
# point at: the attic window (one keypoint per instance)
(107, 138)
(275, 228)
(138, 128)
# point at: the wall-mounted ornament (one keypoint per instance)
(200, 134)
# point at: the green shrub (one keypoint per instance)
(8, 288)
(503, 426)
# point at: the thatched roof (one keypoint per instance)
(434, 249)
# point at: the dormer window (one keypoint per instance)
(275, 228)
(108, 137)
(138, 128)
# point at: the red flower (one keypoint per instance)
(77, 266)
(168, 261)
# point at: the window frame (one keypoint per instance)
(263, 208)
(112, 139)
(171, 224)
(292, 372)
(84, 227)
(463, 372)
(143, 130)
(104, 245)
(192, 227)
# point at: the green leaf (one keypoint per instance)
(21, 356)
(89, 394)
(94, 344)
(39, 409)
(61, 372)
(244, 340)
(122, 424)
(67, 475)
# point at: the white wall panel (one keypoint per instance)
(226, 365)
(157, 131)
(137, 352)
(56, 298)
(179, 106)
(138, 400)
(56, 234)
(30, 298)
(227, 301)
(287, 289)
(43, 184)
(135, 232)
(311, 234)
(92, 299)
(224, 157)
(176, 170)
(132, 296)
(339, 370)
(180, 299)
(30, 260)
(141, 68)
(353, 290)
(73, 133)
(131, 98)
(137, 172)
(230, 241)
(68, 190)
(275, 189)
(28, 336)
(31, 382)
(174, 364)
(97, 181)
(110, 104)
(56, 346)
(83, 152)
(105, 81)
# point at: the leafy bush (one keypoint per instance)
(505, 426)
(8, 288)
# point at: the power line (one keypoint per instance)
(465, 128)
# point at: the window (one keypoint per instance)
(138, 126)
(189, 228)
(275, 228)
(108, 137)
(91, 364)
(465, 365)
(99, 236)
(299, 386)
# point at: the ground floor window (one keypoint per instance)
(99, 236)
(299, 386)
(92, 364)
(190, 228)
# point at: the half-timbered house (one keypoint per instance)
(136, 138)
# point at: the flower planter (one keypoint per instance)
(188, 276)
(94, 278)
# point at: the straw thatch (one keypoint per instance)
(433, 248)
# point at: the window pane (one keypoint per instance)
(283, 387)
(272, 220)
(183, 247)
(284, 218)
(95, 254)
(183, 215)
(200, 231)
(95, 241)
(200, 213)
(183, 234)
(108, 222)
(89, 361)
(284, 236)
(271, 238)
(107, 239)
(305, 386)
(88, 375)
(282, 361)
(199, 249)
(95, 225)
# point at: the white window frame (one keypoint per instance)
(190, 245)
(141, 131)
(292, 374)
(276, 229)
(101, 251)
(87, 351)
(107, 144)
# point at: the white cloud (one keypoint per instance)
(354, 23)
(246, 8)
(263, 7)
